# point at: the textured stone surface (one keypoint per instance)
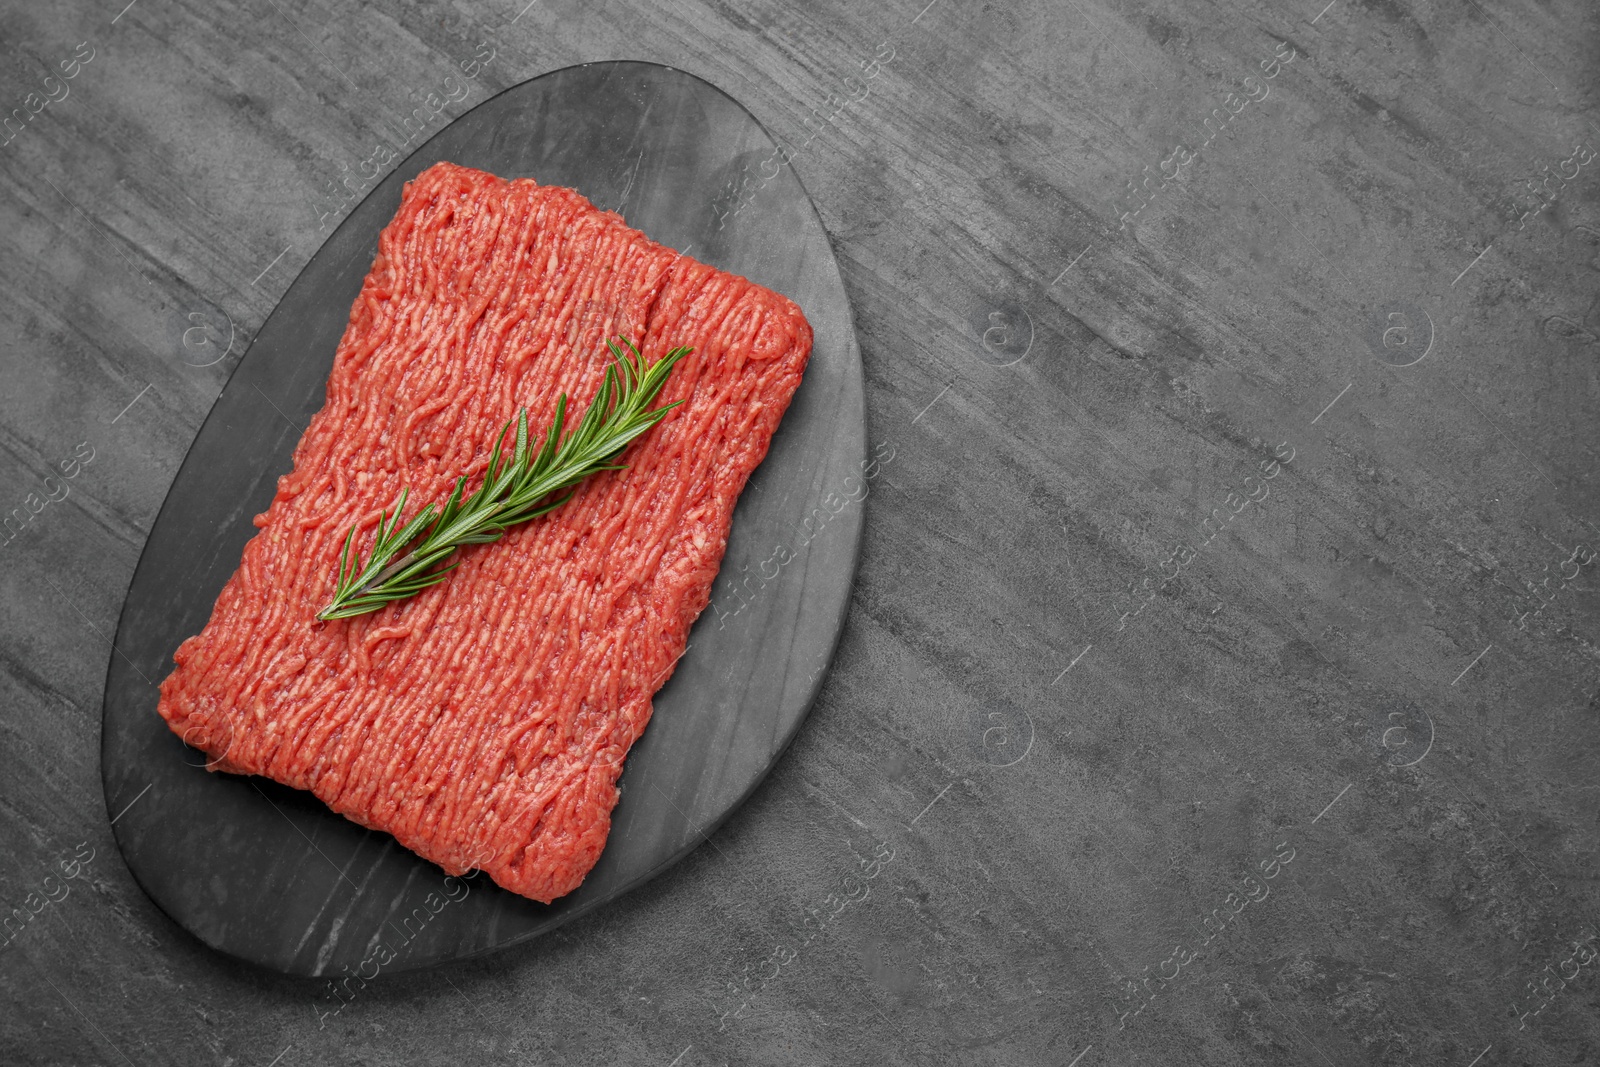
(1357, 638)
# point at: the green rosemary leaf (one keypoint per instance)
(516, 488)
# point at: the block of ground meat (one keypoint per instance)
(483, 723)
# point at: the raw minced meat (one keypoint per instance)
(483, 723)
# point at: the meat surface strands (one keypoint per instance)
(513, 492)
(483, 721)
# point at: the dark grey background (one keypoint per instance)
(1355, 672)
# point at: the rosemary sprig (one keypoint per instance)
(513, 491)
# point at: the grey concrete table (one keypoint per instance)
(1220, 683)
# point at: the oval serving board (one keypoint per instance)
(269, 874)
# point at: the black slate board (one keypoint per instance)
(269, 874)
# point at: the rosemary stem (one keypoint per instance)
(514, 490)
